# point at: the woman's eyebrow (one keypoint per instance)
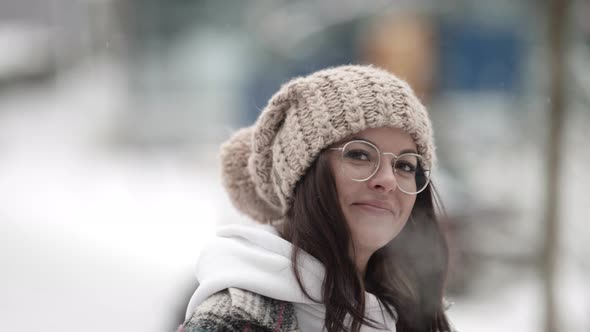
(367, 140)
(408, 151)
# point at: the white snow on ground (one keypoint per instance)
(91, 239)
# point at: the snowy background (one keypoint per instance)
(111, 114)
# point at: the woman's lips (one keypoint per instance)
(373, 207)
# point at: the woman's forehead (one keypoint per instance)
(386, 138)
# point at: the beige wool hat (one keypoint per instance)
(261, 164)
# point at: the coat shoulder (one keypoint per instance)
(235, 309)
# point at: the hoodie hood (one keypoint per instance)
(255, 258)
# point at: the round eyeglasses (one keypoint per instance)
(360, 161)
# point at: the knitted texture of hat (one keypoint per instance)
(261, 164)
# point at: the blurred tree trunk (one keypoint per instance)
(556, 19)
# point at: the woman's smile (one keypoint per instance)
(374, 206)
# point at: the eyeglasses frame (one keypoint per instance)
(395, 158)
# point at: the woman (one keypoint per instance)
(337, 171)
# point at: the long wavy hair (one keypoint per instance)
(407, 274)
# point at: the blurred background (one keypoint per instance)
(112, 112)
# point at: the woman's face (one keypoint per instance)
(375, 210)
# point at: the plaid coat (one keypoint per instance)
(237, 310)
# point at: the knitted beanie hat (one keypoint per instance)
(261, 164)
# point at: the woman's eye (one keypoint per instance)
(358, 155)
(405, 167)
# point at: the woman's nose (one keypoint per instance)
(384, 179)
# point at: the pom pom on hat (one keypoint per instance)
(237, 180)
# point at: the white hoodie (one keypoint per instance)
(257, 259)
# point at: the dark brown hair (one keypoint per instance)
(408, 274)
